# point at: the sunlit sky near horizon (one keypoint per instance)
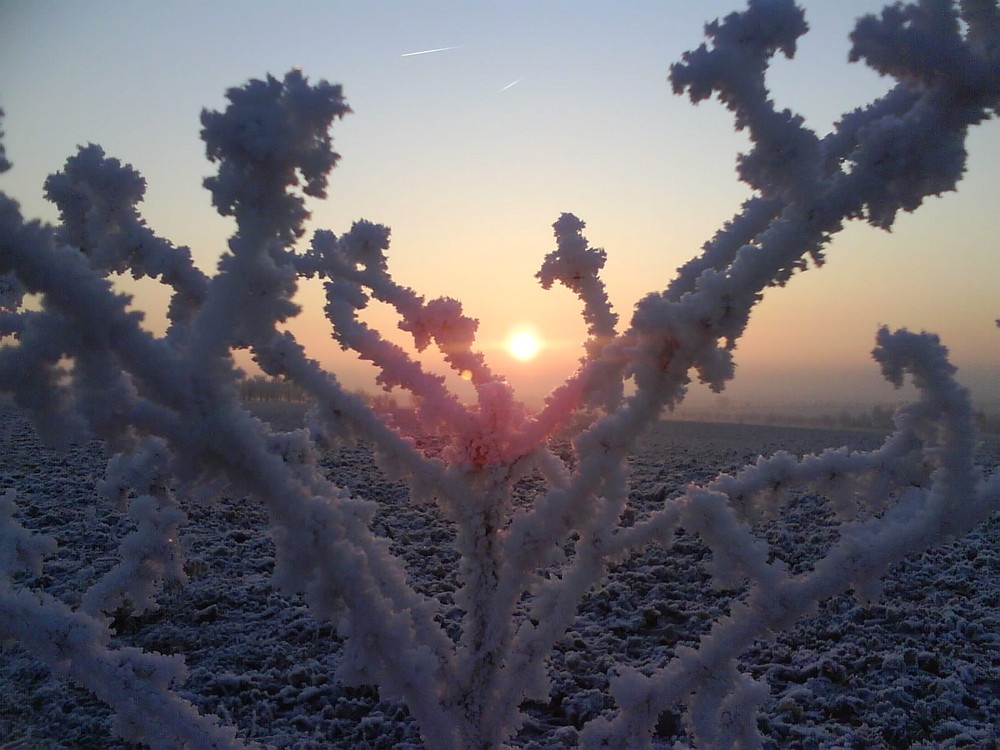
(471, 153)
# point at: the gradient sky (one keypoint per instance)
(470, 171)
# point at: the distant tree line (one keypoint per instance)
(877, 418)
(262, 388)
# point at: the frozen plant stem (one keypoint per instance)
(168, 406)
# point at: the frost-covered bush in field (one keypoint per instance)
(169, 411)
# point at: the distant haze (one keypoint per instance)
(470, 170)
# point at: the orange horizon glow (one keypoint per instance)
(470, 177)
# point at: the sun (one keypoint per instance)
(523, 345)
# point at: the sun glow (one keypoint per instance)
(523, 345)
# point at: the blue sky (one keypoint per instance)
(470, 171)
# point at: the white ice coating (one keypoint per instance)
(168, 407)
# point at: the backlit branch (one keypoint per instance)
(168, 409)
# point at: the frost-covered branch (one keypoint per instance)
(82, 365)
(74, 645)
(952, 498)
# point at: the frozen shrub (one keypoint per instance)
(168, 407)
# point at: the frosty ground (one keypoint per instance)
(919, 669)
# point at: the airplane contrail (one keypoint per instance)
(512, 83)
(427, 51)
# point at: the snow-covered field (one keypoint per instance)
(920, 669)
